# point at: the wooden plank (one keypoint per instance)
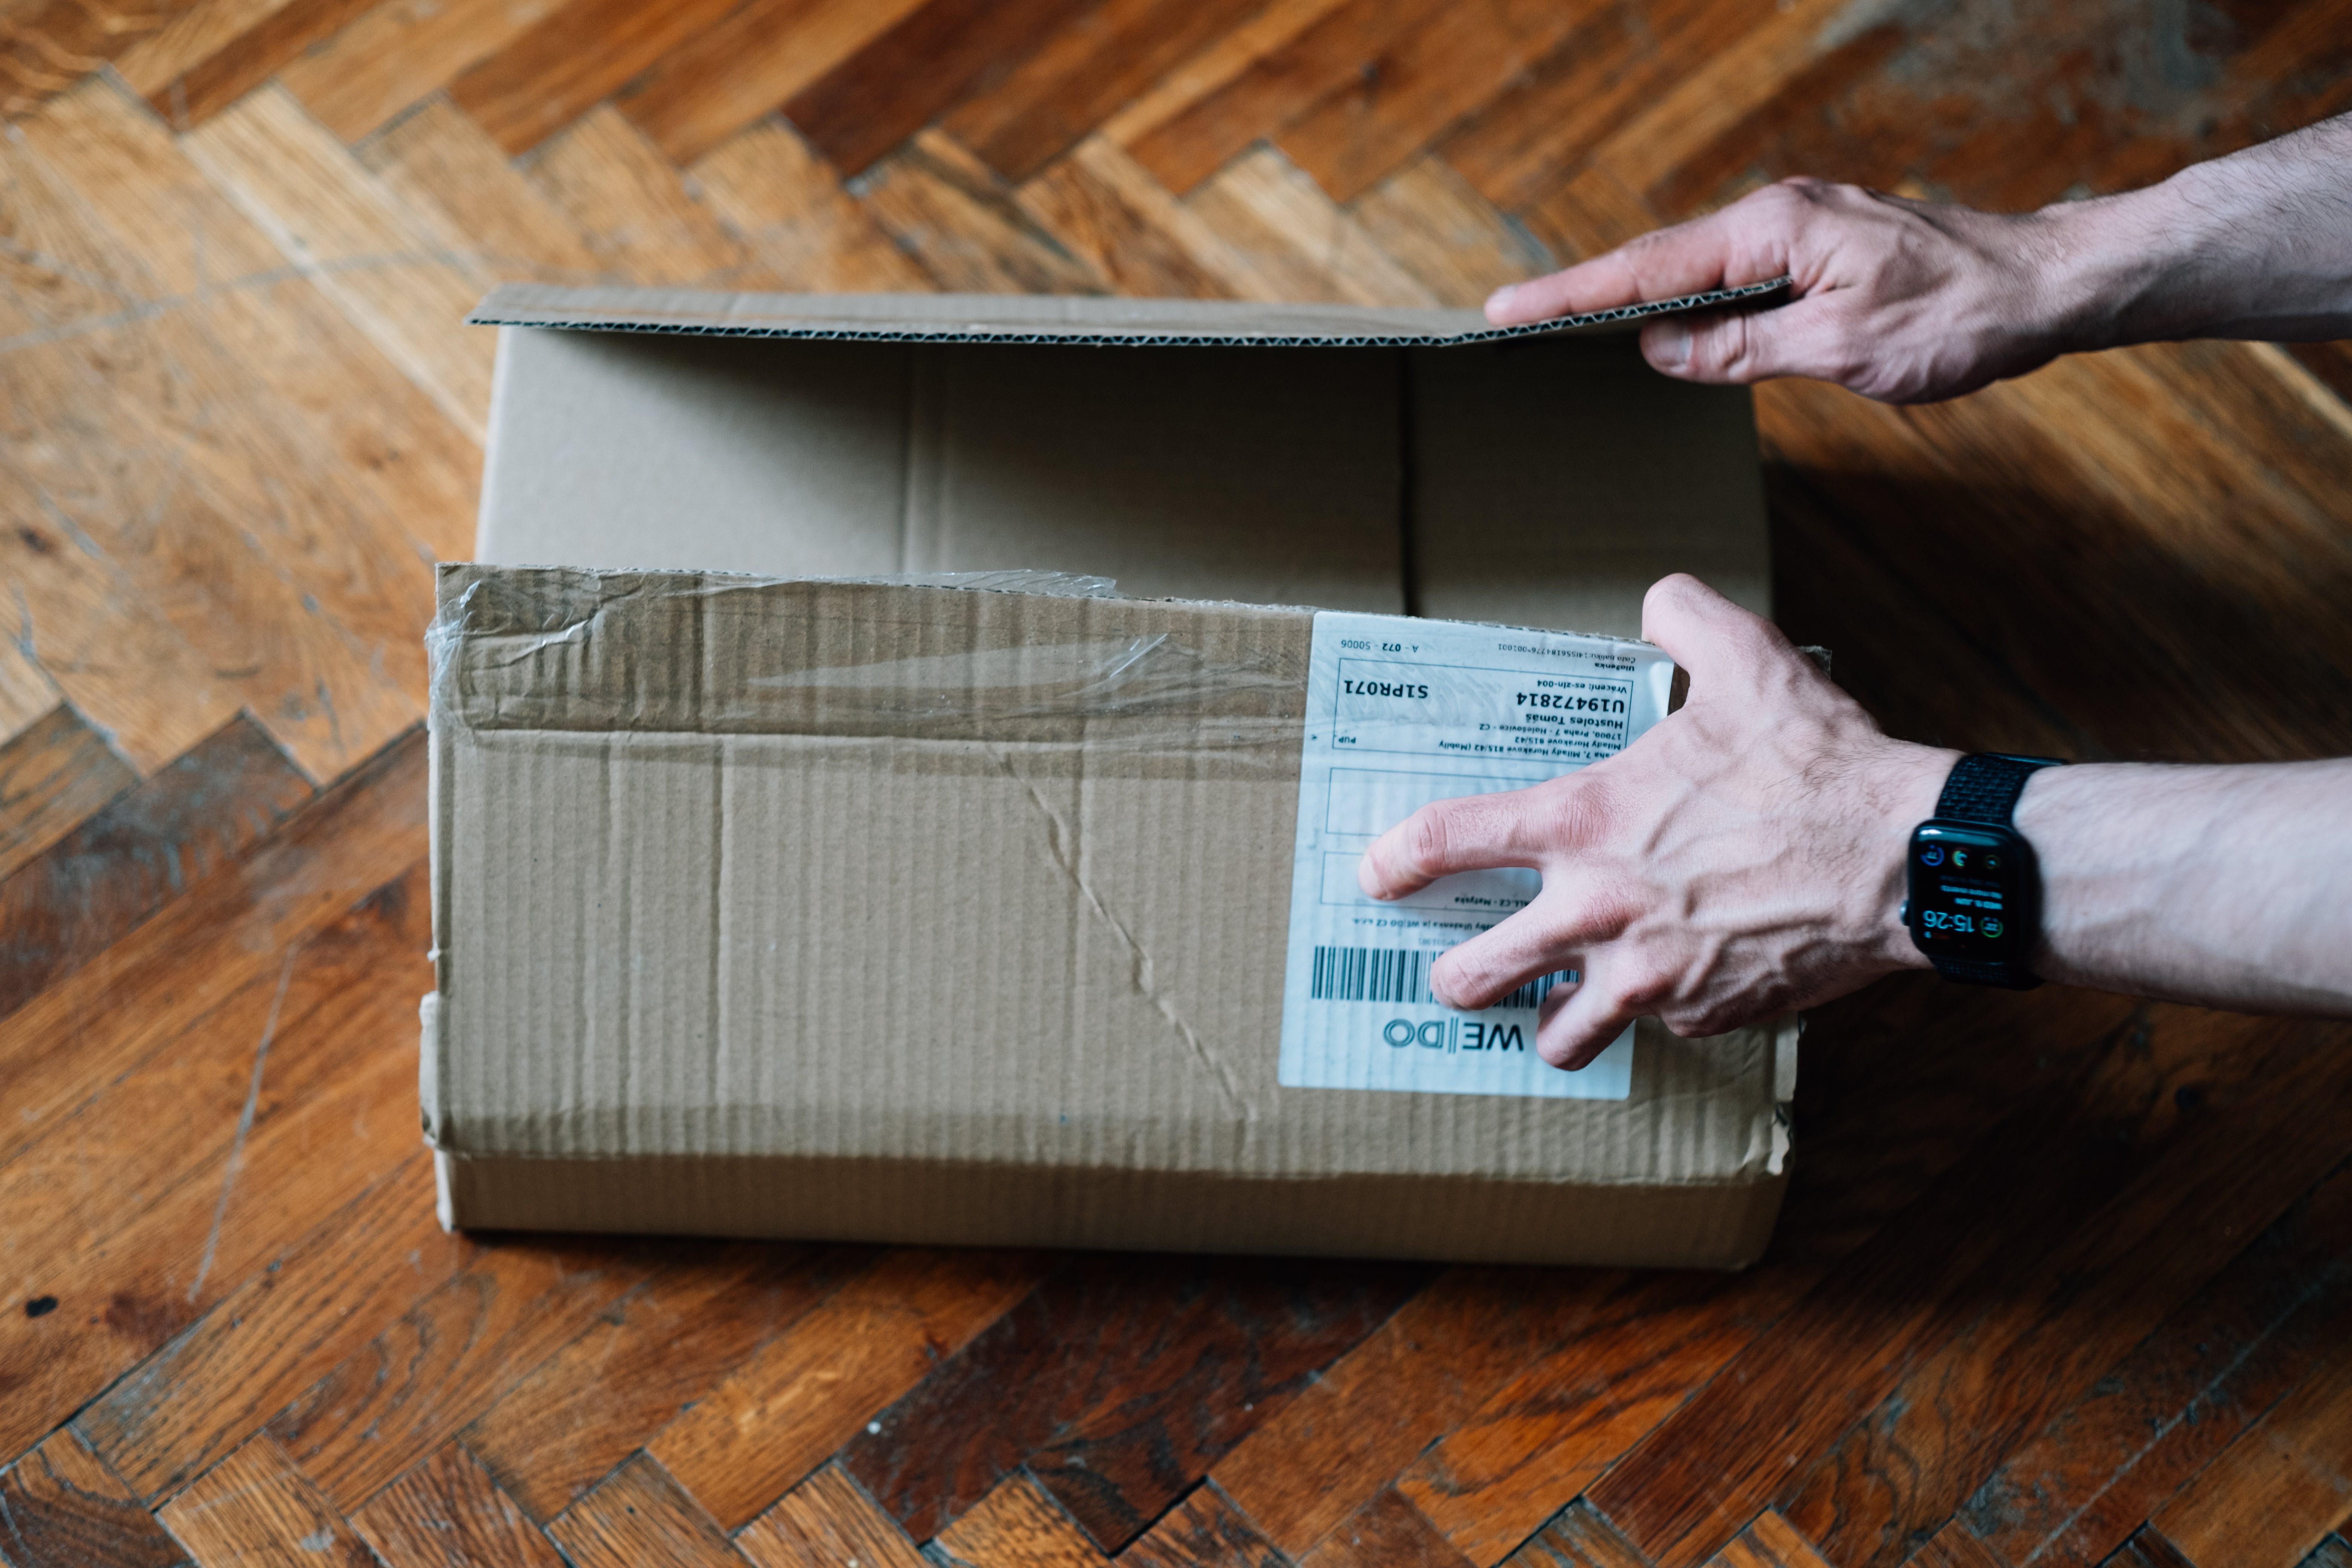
(60, 1507)
(1118, 1383)
(55, 773)
(27, 695)
(1386, 1532)
(1699, 1476)
(2148, 1549)
(945, 209)
(450, 1357)
(749, 64)
(256, 1507)
(457, 184)
(1340, 1443)
(576, 57)
(189, 89)
(1374, 120)
(827, 1522)
(2275, 1494)
(389, 442)
(1769, 1542)
(329, 216)
(2076, 1492)
(1294, 243)
(1185, 140)
(1016, 1525)
(129, 859)
(199, 495)
(1490, 1483)
(784, 203)
(1954, 1547)
(905, 78)
(1903, 1469)
(1578, 1538)
(1103, 206)
(399, 54)
(232, 931)
(1204, 1530)
(782, 1414)
(47, 46)
(1216, 67)
(1588, 216)
(1429, 220)
(1082, 75)
(447, 1511)
(626, 199)
(649, 1358)
(639, 1516)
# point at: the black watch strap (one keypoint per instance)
(1984, 787)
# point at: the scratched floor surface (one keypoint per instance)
(2063, 1279)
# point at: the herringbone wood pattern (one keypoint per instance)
(2064, 1279)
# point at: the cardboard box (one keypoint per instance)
(952, 913)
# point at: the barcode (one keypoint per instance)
(1401, 975)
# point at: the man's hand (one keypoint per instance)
(1905, 302)
(1743, 858)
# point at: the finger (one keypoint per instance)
(1747, 242)
(1724, 646)
(1481, 972)
(1738, 348)
(1578, 1022)
(1474, 833)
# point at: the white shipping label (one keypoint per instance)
(1401, 712)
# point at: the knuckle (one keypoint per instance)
(1427, 836)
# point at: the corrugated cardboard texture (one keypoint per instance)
(1542, 481)
(936, 914)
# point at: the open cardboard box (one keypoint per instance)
(958, 913)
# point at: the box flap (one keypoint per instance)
(1038, 319)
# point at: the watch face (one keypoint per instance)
(1967, 886)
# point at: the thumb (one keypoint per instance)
(1738, 347)
(1720, 644)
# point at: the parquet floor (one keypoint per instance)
(2064, 1279)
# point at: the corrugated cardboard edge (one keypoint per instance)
(1044, 319)
(1449, 1219)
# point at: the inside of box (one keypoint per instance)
(1540, 482)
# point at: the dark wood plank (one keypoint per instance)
(1386, 1532)
(537, 84)
(1954, 1547)
(1891, 1481)
(640, 1516)
(650, 1356)
(148, 846)
(449, 1357)
(1987, 1223)
(947, 210)
(1118, 1383)
(61, 1506)
(203, 84)
(1187, 145)
(1341, 1443)
(1205, 1529)
(2148, 1549)
(1082, 75)
(1578, 1538)
(2076, 1492)
(2274, 1495)
(255, 1506)
(1769, 1543)
(780, 1416)
(827, 1522)
(1016, 1525)
(225, 1133)
(448, 1513)
(54, 774)
(899, 82)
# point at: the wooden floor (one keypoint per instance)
(2064, 1279)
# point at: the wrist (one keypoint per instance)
(1905, 781)
(2111, 267)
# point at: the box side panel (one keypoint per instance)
(1469, 1221)
(1553, 481)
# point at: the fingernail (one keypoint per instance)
(1670, 346)
(1365, 880)
(1501, 299)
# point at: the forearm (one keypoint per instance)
(2226, 886)
(2256, 245)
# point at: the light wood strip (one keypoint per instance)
(1578, 1538)
(1769, 1542)
(946, 209)
(641, 1516)
(448, 1512)
(827, 1522)
(574, 58)
(620, 193)
(53, 772)
(1016, 1525)
(2275, 1494)
(1431, 222)
(1105, 208)
(61, 1506)
(1205, 1529)
(787, 205)
(400, 53)
(1386, 1532)
(337, 222)
(457, 183)
(1294, 243)
(256, 1507)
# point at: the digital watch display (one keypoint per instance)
(1975, 891)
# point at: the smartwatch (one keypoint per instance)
(1975, 903)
